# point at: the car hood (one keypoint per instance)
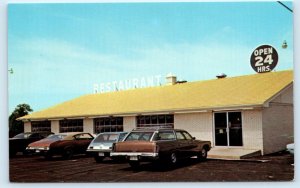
(42, 143)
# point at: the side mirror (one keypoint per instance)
(194, 138)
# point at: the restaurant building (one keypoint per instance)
(251, 113)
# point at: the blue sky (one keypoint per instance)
(58, 51)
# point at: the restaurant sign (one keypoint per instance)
(264, 59)
(133, 83)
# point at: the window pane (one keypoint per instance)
(170, 119)
(154, 119)
(161, 119)
(187, 136)
(113, 121)
(119, 121)
(180, 136)
(107, 121)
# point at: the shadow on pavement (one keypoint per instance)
(163, 167)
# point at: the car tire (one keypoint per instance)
(134, 164)
(202, 155)
(68, 153)
(98, 159)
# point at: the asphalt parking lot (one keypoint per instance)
(276, 167)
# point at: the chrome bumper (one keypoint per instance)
(140, 154)
(99, 150)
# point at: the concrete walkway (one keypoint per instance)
(232, 153)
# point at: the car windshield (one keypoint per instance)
(139, 136)
(56, 136)
(23, 135)
(107, 138)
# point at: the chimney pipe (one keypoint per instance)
(171, 79)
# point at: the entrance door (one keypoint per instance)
(228, 129)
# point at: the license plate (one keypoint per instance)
(101, 154)
(37, 151)
(133, 158)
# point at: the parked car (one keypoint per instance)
(73, 143)
(19, 142)
(290, 148)
(42, 146)
(101, 146)
(167, 145)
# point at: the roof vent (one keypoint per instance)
(221, 76)
(171, 79)
(181, 81)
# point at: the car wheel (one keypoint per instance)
(134, 164)
(68, 153)
(98, 159)
(202, 155)
(173, 158)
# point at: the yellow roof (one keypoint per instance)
(241, 91)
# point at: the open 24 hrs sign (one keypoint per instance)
(264, 59)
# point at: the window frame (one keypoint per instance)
(108, 124)
(160, 120)
(39, 126)
(74, 125)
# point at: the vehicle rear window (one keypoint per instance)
(56, 136)
(107, 138)
(139, 136)
(121, 137)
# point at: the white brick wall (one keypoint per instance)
(55, 126)
(27, 126)
(252, 129)
(88, 126)
(278, 122)
(129, 123)
(197, 124)
(278, 127)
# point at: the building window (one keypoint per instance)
(109, 124)
(164, 121)
(37, 126)
(74, 125)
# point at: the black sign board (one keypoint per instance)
(264, 58)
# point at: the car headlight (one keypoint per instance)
(46, 148)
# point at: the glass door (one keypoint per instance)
(221, 136)
(228, 129)
(235, 128)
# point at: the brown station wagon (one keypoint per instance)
(167, 145)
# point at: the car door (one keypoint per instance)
(191, 144)
(181, 144)
(81, 142)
